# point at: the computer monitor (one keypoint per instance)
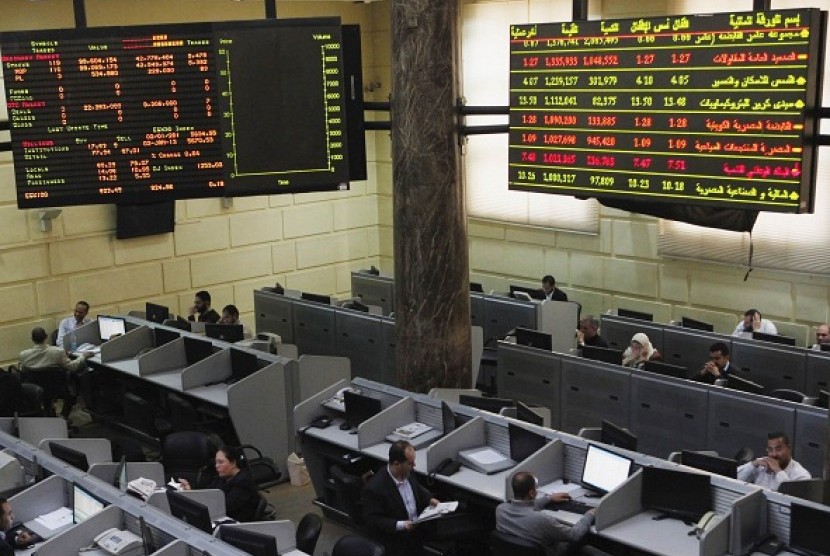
(677, 494)
(493, 405)
(824, 347)
(195, 350)
(476, 287)
(666, 369)
(162, 336)
(325, 299)
(243, 364)
(607, 355)
(744, 385)
(190, 511)
(534, 338)
(713, 464)
(448, 418)
(617, 436)
(183, 324)
(356, 305)
(808, 529)
(84, 504)
(534, 293)
(250, 542)
(524, 413)
(775, 338)
(523, 442)
(121, 481)
(629, 314)
(359, 407)
(110, 326)
(225, 332)
(69, 455)
(686, 322)
(823, 399)
(156, 313)
(604, 470)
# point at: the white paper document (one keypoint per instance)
(486, 456)
(56, 519)
(440, 509)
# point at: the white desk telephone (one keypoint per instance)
(120, 543)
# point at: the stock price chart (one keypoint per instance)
(715, 110)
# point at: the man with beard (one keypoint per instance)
(776, 467)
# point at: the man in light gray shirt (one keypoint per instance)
(776, 467)
(523, 517)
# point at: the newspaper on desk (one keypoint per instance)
(55, 519)
(439, 510)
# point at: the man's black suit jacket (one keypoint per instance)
(383, 507)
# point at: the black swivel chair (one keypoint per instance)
(55, 384)
(789, 395)
(347, 492)
(11, 394)
(143, 417)
(308, 531)
(354, 545)
(263, 470)
(504, 544)
(30, 401)
(189, 455)
(184, 416)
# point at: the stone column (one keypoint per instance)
(432, 300)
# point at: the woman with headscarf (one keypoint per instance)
(639, 351)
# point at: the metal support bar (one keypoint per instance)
(580, 10)
(270, 9)
(761, 5)
(80, 13)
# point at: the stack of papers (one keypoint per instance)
(56, 519)
(432, 512)
(412, 430)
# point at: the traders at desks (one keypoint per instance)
(235, 480)
(201, 311)
(523, 517)
(12, 537)
(640, 351)
(718, 365)
(776, 467)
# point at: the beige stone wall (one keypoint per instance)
(309, 241)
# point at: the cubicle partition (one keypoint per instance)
(373, 289)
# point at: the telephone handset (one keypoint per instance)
(120, 543)
(706, 522)
(448, 467)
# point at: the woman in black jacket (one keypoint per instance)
(234, 479)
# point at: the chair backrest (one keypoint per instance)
(354, 545)
(53, 380)
(183, 415)
(744, 455)
(11, 394)
(308, 531)
(187, 453)
(789, 395)
(139, 413)
(263, 470)
(30, 402)
(504, 544)
(348, 489)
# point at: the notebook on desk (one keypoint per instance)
(485, 460)
(51, 523)
(417, 434)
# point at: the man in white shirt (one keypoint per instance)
(754, 322)
(776, 467)
(230, 315)
(69, 324)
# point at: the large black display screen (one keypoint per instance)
(717, 110)
(145, 114)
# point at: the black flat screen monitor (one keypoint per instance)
(156, 313)
(324, 299)
(162, 336)
(476, 287)
(744, 385)
(629, 314)
(110, 326)
(534, 293)
(250, 542)
(686, 322)
(493, 405)
(678, 494)
(606, 355)
(84, 504)
(774, 338)
(359, 408)
(713, 464)
(183, 324)
(448, 418)
(534, 339)
(666, 369)
(356, 305)
(808, 530)
(191, 512)
(225, 332)
(243, 364)
(524, 413)
(69, 455)
(604, 470)
(615, 435)
(823, 399)
(195, 350)
(523, 442)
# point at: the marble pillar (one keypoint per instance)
(432, 300)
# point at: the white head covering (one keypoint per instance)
(645, 354)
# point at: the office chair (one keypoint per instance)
(189, 454)
(744, 455)
(142, 416)
(184, 416)
(264, 511)
(308, 531)
(264, 471)
(347, 491)
(505, 544)
(11, 394)
(55, 383)
(354, 545)
(30, 400)
(789, 395)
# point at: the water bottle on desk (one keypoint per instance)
(73, 341)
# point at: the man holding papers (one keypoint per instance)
(523, 517)
(10, 538)
(392, 502)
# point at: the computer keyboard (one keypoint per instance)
(573, 506)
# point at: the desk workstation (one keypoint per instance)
(624, 515)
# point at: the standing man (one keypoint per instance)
(201, 307)
(551, 291)
(822, 336)
(718, 365)
(392, 500)
(776, 467)
(11, 539)
(588, 333)
(69, 324)
(522, 517)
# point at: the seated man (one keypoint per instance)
(522, 517)
(551, 291)
(69, 324)
(41, 356)
(11, 538)
(718, 365)
(201, 308)
(587, 335)
(754, 322)
(776, 467)
(822, 336)
(230, 315)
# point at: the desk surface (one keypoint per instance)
(670, 536)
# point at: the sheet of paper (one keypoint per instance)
(56, 519)
(486, 456)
